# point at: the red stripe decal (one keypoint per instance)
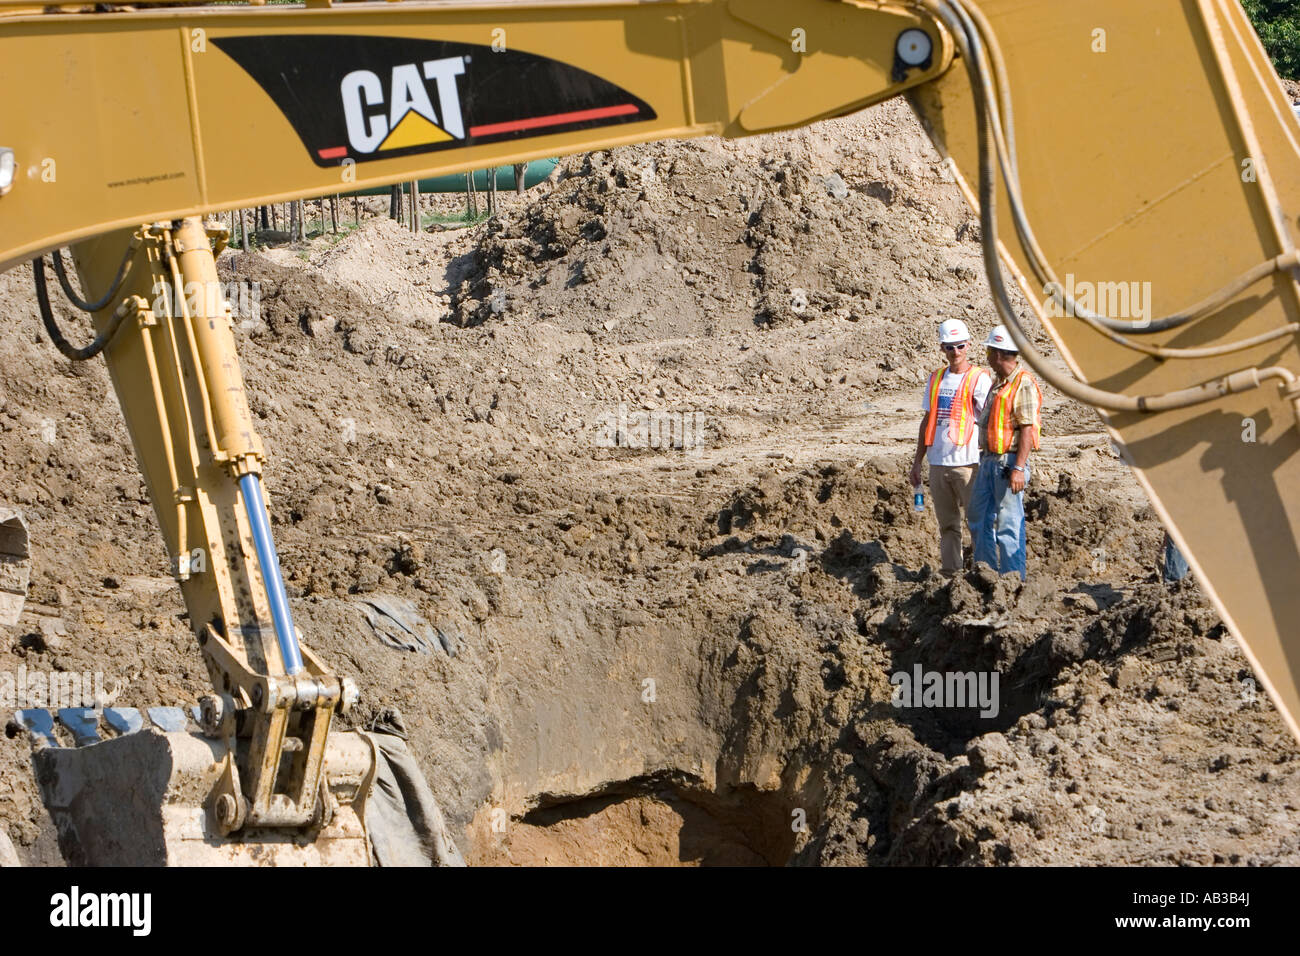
(334, 152)
(555, 119)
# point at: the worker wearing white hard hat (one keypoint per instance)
(952, 401)
(953, 330)
(1001, 340)
(1009, 426)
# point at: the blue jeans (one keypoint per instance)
(996, 516)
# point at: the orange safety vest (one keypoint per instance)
(961, 416)
(1001, 424)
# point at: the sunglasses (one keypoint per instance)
(955, 348)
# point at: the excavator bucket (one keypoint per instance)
(131, 788)
(126, 788)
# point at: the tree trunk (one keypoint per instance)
(521, 178)
(471, 208)
(415, 205)
(492, 191)
(243, 227)
(395, 203)
(334, 214)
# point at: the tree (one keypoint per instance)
(1278, 24)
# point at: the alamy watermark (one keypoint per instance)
(1112, 300)
(207, 298)
(955, 689)
(55, 690)
(650, 428)
(75, 909)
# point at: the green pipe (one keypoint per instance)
(537, 172)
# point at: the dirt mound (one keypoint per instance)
(1088, 674)
(705, 238)
(1061, 780)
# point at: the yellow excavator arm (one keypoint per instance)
(157, 114)
(1136, 167)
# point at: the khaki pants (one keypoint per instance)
(951, 487)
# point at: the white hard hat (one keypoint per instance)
(1001, 339)
(953, 330)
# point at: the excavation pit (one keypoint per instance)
(641, 824)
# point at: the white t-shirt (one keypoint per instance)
(945, 451)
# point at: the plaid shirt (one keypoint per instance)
(1025, 411)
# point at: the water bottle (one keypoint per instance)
(918, 499)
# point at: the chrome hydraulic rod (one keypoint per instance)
(250, 487)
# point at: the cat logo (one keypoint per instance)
(367, 99)
(410, 119)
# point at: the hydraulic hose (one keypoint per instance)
(952, 13)
(976, 39)
(107, 297)
(97, 345)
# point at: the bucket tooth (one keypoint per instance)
(39, 725)
(123, 720)
(169, 720)
(83, 722)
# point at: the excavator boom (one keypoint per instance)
(157, 114)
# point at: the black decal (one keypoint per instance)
(367, 98)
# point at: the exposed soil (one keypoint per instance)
(657, 654)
